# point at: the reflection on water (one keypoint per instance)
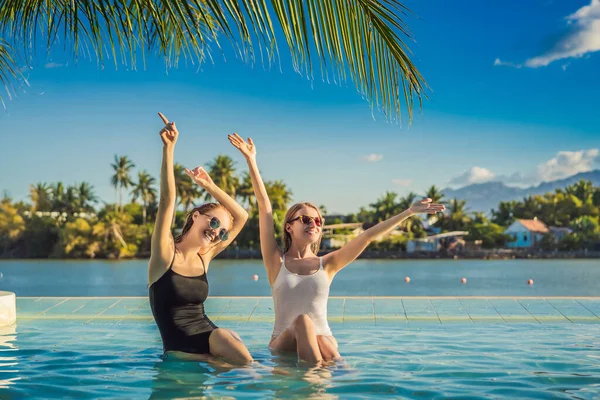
(9, 372)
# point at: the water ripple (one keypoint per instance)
(67, 359)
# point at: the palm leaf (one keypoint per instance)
(362, 39)
(9, 70)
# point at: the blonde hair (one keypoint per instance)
(189, 221)
(287, 238)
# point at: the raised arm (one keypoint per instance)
(240, 216)
(336, 260)
(268, 245)
(161, 247)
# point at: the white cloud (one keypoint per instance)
(563, 165)
(519, 179)
(499, 63)
(582, 37)
(402, 182)
(473, 175)
(567, 163)
(52, 64)
(372, 157)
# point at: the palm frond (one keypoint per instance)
(362, 39)
(9, 70)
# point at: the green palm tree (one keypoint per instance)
(435, 195)
(187, 190)
(406, 201)
(364, 40)
(188, 196)
(385, 207)
(480, 217)
(279, 194)
(458, 218)
(86, 197)
(40, 195)
(58, 197)
(144, 190)
(323, 210)
(71, 200)
(222, 172)
(121, 179)
(246, 193)
(583, 190)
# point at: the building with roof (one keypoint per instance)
(526, 233)
(450, 241)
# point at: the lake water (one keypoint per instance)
(361, 278)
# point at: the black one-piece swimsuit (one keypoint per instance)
(177, 304)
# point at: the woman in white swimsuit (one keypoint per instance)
(299, 279)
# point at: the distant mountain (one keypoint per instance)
(486, 196)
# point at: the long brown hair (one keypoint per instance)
(189, 221)
(287, 238)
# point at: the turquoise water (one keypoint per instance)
(69, 359)
(361, 278)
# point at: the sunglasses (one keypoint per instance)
(215, 223)
(305, 219)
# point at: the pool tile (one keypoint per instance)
(335, 309)
(123, 308)
(388, 306)
(264, 311)
(592, 305)
(64, 309)
(241, 306)
(512, 311)
(216, 305)
(420, 310)
(29, 308)
(480, 310)
(450, 310)
(358, 309)
(364, 311)
(573, 310)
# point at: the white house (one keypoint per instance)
(526, 233)
(435, 242)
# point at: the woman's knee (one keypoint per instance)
(226, 343)
(303, 322)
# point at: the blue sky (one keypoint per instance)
(514, 98)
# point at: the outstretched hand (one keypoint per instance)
(169, 133)
(200, 176)
(246, 148)
(425, 206)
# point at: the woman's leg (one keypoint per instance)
(228, 345)
(328, 347)
(300, 337)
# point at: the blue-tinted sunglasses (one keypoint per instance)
(215, 223)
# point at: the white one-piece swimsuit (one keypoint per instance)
(294, 295)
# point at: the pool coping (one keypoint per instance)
(377, 310)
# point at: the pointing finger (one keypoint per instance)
(165, 120)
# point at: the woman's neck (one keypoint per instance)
(298, 252)
(188, 249)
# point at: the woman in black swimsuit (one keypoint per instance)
(178, 267)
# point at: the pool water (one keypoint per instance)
(57, 358)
